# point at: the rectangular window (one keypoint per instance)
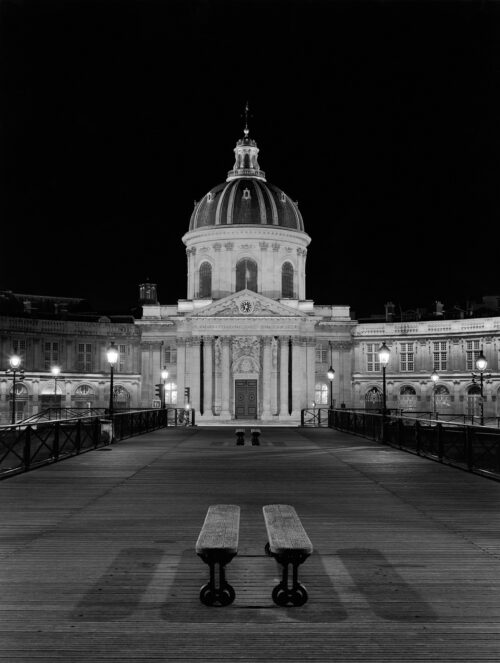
(406, 358)
(19, 347)
(472, 350)
(372, 360)
(84, 359)
(50, 354)
(170, 354)
(321, 354)
(123, 352)
(440, 355)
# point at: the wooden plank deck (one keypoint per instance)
(97, 559)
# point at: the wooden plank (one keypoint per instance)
(220, 530)
(285, 532)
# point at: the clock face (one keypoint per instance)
(246, 306)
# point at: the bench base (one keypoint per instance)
(213, 593)
(282, 594)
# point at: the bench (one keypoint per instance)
(255, 433)
(217, 544)
(240, 435)
(288, 543)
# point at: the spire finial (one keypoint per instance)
(246, 130)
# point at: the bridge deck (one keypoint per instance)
(98, 562)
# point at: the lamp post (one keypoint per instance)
(481, 365)
(434, 378)
(383, 356)
(164, 377)
(112, 355)
(331, 376)
(56, 370)
(15, 363)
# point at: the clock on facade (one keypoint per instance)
(246, 306)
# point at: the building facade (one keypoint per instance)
(246, 343)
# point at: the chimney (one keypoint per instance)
(147, 293)
(389, 312)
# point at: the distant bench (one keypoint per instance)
(288, 543)
(240, 435)
(217, 544)
(255, 433)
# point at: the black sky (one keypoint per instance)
(380, 118)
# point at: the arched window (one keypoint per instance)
(443, 399)
(205, 280)
(170, 393)
(408, 398)
(321, 393)
(121, 397)
(287, 280)
(373, 399)
(246, 275)
(84, 396)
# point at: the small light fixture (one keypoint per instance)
(331, 373)
(15, 362)
(164, 374)
(55, 371)
(384, 354)
(481, 362)
(434, 377)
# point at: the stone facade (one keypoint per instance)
(247, 343)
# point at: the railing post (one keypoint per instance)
(78, 440)
(55, 448)
(302, 417)
(97, 431)
(27, 449)
(440, 445)
(417, 436)
(193, 418)
(468, 449)
(131, 423)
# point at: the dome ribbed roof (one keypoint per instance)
(246, 201)
(246, 198)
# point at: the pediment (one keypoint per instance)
(247, 304)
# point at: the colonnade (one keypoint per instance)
(283, 367)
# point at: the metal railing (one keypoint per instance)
(26, 446)
(315, 416)
(475, 448)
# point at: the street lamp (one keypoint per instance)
(383, 356)
(331, 376)
(435, 379)
(164, 377)
(15, 363)
(481, 365)
(112, 355)
(56, 370)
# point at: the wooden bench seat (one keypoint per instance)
(288, 543)
(255, 433)
(217, 544)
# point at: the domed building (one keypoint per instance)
(245, 338)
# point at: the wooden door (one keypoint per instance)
(246, 399)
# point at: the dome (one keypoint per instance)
(248, 201)
(246, 198)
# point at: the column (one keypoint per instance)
(266, 379)
(310, 371)
(146, 376)
(299, 386)
(207, 378)
(284, 414)
(225, 379)
(195, 374)
(181, 370)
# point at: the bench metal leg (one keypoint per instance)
(282, 594)
(213, 593)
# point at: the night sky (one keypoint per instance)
(382, 119)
